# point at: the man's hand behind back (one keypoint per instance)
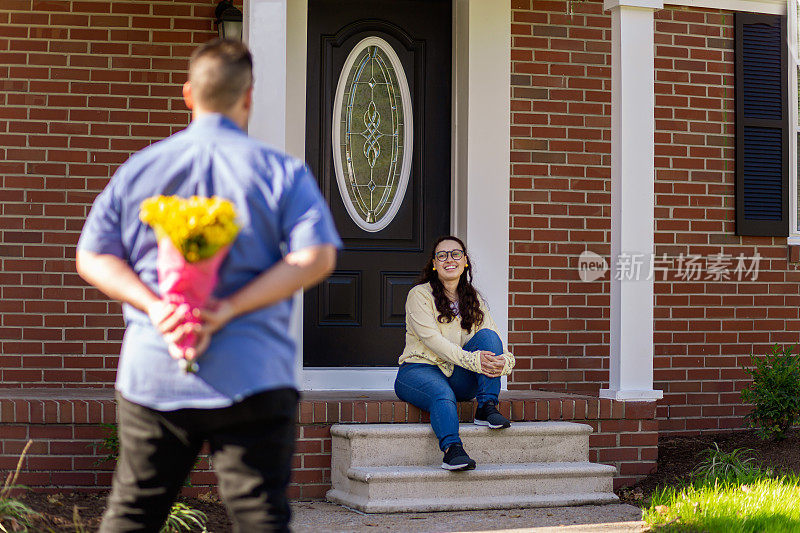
(170, 320)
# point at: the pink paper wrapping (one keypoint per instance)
(180, 281)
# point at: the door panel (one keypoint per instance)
(356, 318)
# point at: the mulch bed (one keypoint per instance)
(677, 457)
(58, 510)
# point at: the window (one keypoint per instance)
(372, 134)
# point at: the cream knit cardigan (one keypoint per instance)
(436, 343)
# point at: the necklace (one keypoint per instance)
(454, 307)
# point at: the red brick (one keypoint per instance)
(310, 491)
(399, 412)
(50, 464)
(618, 454)
(346, 410)
(638, 439)
(618, 426)
(639, 410)
(305, 412)
(636, 468)
(316, 461)
(307, 476)
(372, 412)
(386, 411)
(76, 479)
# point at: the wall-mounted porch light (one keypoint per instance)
(229, 20)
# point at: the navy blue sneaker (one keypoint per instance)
(488, 415)
(455, 458)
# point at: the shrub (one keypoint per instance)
(719, 465)
(775, 393)
(110, 444)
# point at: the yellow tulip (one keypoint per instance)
(199, 227)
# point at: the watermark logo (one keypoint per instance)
(683, 267)
(591, 266)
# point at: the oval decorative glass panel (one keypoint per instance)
(372, 135)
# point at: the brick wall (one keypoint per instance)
(66, 430)
(706, 329)
(83, 84)
(695, 163)
(560, 206)
(560, 192)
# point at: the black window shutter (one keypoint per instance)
(762, 125)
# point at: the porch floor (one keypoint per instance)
(389, 396)
(309, 396)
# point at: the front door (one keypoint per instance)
(378, 140)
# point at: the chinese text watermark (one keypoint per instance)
(684, 267)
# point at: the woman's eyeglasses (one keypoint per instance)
(455, 254)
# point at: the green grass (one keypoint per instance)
(14, 515)
(754, 502)
(184, 518)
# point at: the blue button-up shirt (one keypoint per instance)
(279, 209)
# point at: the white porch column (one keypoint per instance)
(632, 197)
(482, 144)
(275, 32)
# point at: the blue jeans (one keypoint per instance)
(429, 389)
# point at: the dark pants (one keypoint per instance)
(426, 387)
(251, 445)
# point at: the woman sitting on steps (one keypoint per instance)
(453, 352)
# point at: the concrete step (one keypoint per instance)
(396, 467)
(386, 489)
(366, 445)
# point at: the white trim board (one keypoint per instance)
(772, 7)
(351, 378)
(482, 144)
(792, 62)
(276, 31)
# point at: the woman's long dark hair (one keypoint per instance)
(469, 307)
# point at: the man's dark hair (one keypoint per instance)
(220, 71)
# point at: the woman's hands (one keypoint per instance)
(491, 364)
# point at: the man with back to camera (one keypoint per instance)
(243, 397)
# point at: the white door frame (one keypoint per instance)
(276, 32)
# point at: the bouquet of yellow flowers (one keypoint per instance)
(194, 235)
(198, 227)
